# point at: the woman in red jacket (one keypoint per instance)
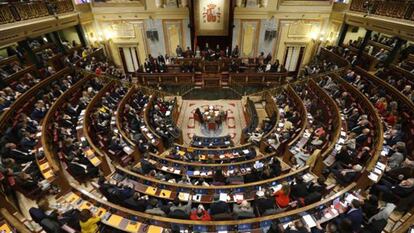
(200, 214)
(282, 196)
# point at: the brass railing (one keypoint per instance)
(19, 11)
(389, 8)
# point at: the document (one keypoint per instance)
(224, 197)
(373, 176)
(183, 196)
(309, 221)
(238, 198)
(151, 190)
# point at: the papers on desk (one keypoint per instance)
(343, 133)
(276, 188)
(184, 196)
(151, 190)
(238, 198)
(331, 213)
(307, 177)
(165, 193)
(246, 151)
(373, 176)
(349, 198)
(155, 229)
(380, 166)
(378, 171)
(309, 221)
(258, 165)
(128, 150)
(114, 220)
(197, 197)
(133, 226)
(224, 197)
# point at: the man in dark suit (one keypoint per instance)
(354, 215)
(299, 189)
(218, 206)
(264, 202)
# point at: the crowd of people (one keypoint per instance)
(160, 64)
(134, 125)
(65, 126)
(259, 170)
(161, 120)
(402, 83)
(9, 93)
(19, 140)
(266, 201)
(397, 185)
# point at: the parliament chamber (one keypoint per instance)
(185, 116)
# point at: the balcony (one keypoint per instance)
(394, 9)
(20, 11)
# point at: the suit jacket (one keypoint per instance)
(356, 217)
(219, 207)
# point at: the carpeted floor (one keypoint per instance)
(233, 125)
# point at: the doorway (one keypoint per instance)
(293, 58)
(130, 60)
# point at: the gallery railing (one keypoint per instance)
(19, 11)
(390, 8)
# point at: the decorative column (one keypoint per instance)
(58, 42)
(342, 34)
(394, 52)
(24, 44)
(364, 43)
(81, 34)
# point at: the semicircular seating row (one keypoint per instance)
(98, 123)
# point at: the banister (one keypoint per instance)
(213, 223)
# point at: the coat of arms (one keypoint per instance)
(211, 13)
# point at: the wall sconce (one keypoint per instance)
(238, 3)
(263, 3)
(159, 3)
(109, 34)
(313, 35)
(184, 3)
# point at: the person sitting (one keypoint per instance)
(391, 192)
(346, 176)
(200, 214)
(135, 203)
(243, 210)
(282, 198)
(264, 202)
(296, 227)
(218, 206)
(88, 222)
(45, 217)
(180, 211)
(354, 215)
(299, 188)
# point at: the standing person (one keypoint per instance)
(228, 51)
(236, 52)
(179, 51)
(88, 222)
